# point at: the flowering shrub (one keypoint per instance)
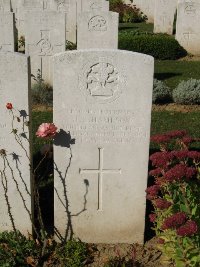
(175, 197)
(127, 13)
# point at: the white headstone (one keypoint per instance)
(97, 29)
(15, 187)
(101, 154)
(7, 43)
(164, 16)
(187, 25)
(94, 5)
(69, 8)
(45, 36)
(29, 6)
(5, 6)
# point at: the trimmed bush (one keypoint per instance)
(159, 46)
(161, 92)
(42, 94)
(187, 92)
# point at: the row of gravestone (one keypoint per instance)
(45, 31)
(162, 14)
(100, 153)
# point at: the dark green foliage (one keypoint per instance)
(70, 46)
(187, 92)
(72, 254)
(15, 249)
(159, 46)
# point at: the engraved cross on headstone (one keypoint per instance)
(100, 171)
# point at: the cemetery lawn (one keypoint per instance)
(142, 26)
(162, 121)
(173, 72)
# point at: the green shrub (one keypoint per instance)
(159, 46)
(16, 250)
(187, 92)
(127, 13)
(42, 93)
(70, 46)
(72, 254)
(161, 92)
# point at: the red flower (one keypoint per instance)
(174, 221)
(187, 140)
(152, 217)
(162, 204)
(155, 172)
(160, 138)
(194, 155)
(160, 241)
(9, 106)
(152, 191)
(161, 159)
(177, 133)
(180, 154)
(188, 229)
(178, 172)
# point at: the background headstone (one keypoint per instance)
(188, 26)
(69, 8)
(164, 16)
(97, 29)
(45, 36)
(15, 88)
(92, 5)
(7, 43)
(29, 6)
(101, 154)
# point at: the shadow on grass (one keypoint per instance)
(166, 75)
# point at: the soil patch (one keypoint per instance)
(176, 108)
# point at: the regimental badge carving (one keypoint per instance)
(44, 44)
(97, 23)
(101, 82)
(190, 9)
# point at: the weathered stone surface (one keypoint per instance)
(6, 32)
(45, 36)
(188, 26)
(5, 6)
(97, 29)
(164, 16)
(101, 153)
(29, 6)
(14, 178)
(92, 5)
(69, 8)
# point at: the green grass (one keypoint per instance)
(172, 72)
(142, 26)
(162, 122)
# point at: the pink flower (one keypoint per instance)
(160, 138)
(9, 106)
(155, 172)
(161, 159)
(46, 130)
(188, 229)
(174, 221)
(176, 133)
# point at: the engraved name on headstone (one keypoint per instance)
(101, 153)
(15, 189)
